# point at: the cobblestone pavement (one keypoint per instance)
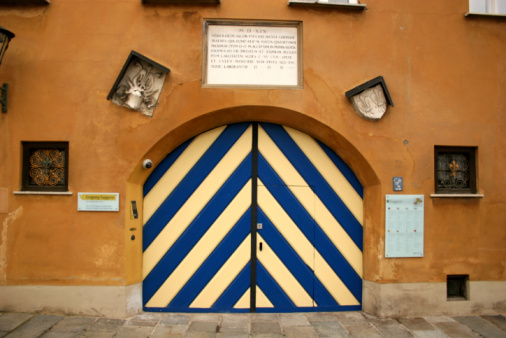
(338, 324)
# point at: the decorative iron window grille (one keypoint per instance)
(45, 166)
(455, 170)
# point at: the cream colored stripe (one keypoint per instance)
(205, 246)
(303, 247)
(313, 205)
(196, 202)
(282, 275)
(330, 172)
(244, 301)
(278, 161)
(262, 300)
(226, 275)
(338, 236)
(333, 283)
(285, 225)
(178, 171)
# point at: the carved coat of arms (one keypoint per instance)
(139, 84)
(371, 104)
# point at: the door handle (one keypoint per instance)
(260, 246)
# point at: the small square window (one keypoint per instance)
(455, 170)
(456, 287)
(45, 166)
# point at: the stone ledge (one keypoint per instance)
(491, 15)
(58, 193)
(336, 5)
(181, 2)
(457, 195)
(24, 2)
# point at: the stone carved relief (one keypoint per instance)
(370, 104)
(140, 87)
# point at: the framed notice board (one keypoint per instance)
(404, 226)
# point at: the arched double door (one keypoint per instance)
(252, 217)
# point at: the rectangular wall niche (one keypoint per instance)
(139, 84)
(252, 54)
(456, 287)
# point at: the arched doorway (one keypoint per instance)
(252, 217)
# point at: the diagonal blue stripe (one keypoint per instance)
(213, 263)
(344, 169)
(192, 180)
(319, 185)
(299, 269)
(272, 290)
(197, 229)
(161, 168)
(234, 291)
(306, 224)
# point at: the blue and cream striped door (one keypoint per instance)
(204, 203)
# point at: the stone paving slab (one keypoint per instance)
(321, 316)
(481, 326)
(73, 324)
(299, 331)
(35, 326)
(165, 331)
(329, 329)
(499, 321)
(201, 326)
(455, 329)
(293, 319)
(241, 325)
(416, 324)
(69, 327)
(197, 334)
(390, 328)
(351, 318)
(264, 317)
(10, 321)
(439, 319)
(265, 327)
(175, 319)
(362, 331)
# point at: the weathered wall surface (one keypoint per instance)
(446, 75)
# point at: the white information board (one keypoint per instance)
(98, 201)
(251, 55)
(404, 226)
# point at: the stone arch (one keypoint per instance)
(324, 133)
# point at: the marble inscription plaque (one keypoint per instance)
(251, 55)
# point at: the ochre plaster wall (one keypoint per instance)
(446, 75)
